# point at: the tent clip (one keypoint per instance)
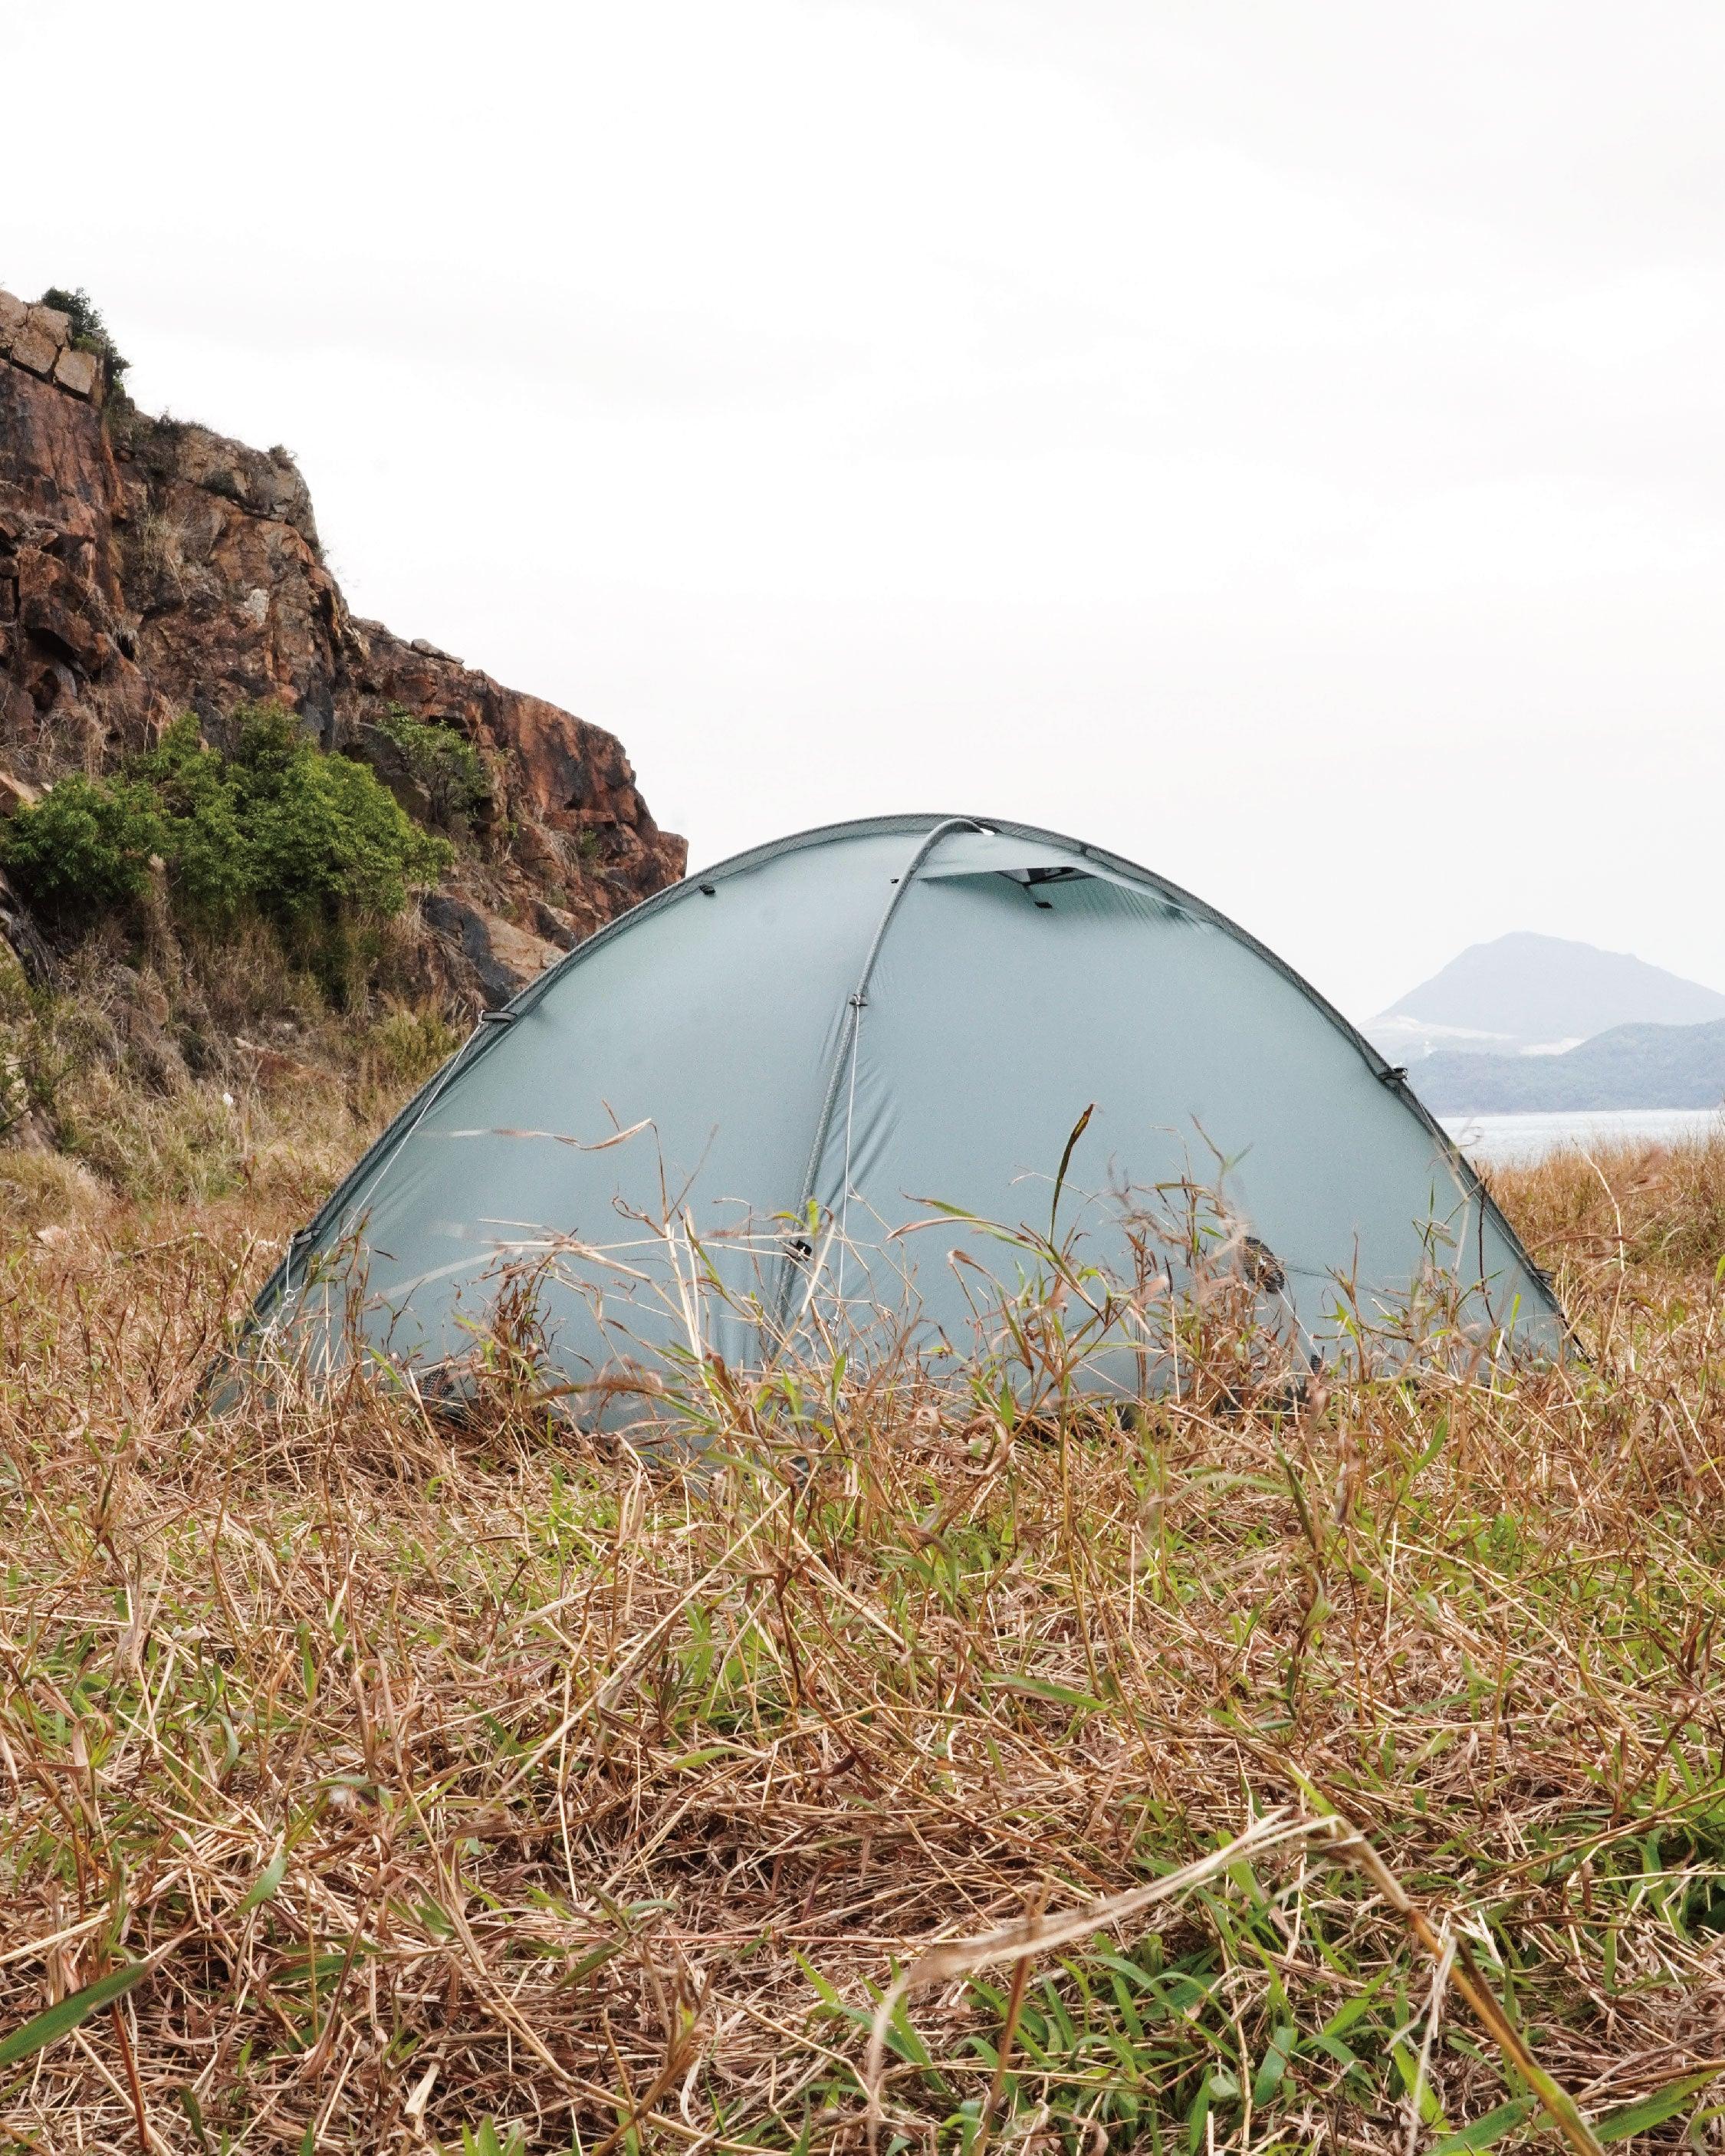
(1394, 1074)
(497, 1017)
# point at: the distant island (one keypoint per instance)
(1532, 1023)
(1628, 1066)
(1524, 991)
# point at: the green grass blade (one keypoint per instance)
(56, 2021)
(1653, 2110)
(266, 1882)
(1488, 2132)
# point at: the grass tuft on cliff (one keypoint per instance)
(496, 1787)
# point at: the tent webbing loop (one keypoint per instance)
(845, 1055)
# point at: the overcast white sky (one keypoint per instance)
(1281, 443)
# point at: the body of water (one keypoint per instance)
(1507, 1141)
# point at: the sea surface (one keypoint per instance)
(1507, 1141)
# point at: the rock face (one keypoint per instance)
(149, 567)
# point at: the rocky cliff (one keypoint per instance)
(149, 567)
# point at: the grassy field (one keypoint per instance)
(367, 1783)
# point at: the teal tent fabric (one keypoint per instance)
(821, 1094)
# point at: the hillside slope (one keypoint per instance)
(1524, 990)
(149, 569)
(1629, 1066)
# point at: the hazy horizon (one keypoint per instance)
(1284, 447)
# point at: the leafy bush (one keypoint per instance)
(89, 332)
(84, 850)
(323, 836)
(203, 837)
(445, 763)
(311, 843)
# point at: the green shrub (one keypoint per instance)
(89, 332)
(445, 763)
(324, 838)
(213, 874)
(84, 849)
(273, 828)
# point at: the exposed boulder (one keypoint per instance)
(503, 957)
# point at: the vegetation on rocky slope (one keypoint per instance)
(311, 845)
(409, 1785)
(228, 928)
(191, 1065)
(151, 567)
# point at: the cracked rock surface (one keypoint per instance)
(150, 568)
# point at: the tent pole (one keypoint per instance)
(846, 1048)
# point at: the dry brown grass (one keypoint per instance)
(492, 1775)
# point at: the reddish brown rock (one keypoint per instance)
(33, 348)
(16, 794)
(149, 567)
(77, 370)
(503, 957)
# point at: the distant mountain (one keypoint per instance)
(1631, 1066)
(1525, 992)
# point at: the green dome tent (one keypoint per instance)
(833, 1089)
